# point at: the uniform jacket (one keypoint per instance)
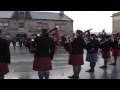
(92, 46)
(115, 44)
(76, 46)
(106, 46)
(4, 51)
(45, 47)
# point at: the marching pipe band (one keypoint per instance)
(92, 45)
(79, 41)
(43, 48)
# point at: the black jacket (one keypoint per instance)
(4, 51)
(77, 46)
(106, 46)
(45, 47)
(115, 44)
(92, 46)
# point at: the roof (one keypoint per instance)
(6, 14)
(38, 15)
(49, 15)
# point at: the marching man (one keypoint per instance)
(75, 49)
(43, 56)
(106, 48)
(92, 46)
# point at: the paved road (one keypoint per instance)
(22, 60)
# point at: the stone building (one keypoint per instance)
(116, 22)
(27, 23)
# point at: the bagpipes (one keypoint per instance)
(32, 47)
(88, 33)
(89, 37)
(102, 34)
(56, 35)
(84, 33)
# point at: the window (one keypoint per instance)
(21, 25)
(45, 26)
(1, 24)
(62, 27)
(21, 15)
(39, 25)
(5, 25)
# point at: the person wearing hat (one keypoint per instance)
(92, 47)
(75, 49)
(43, 55)
(4, 57)
(106, 48)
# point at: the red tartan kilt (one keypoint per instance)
(3, 68)
(115, 52)
(106, 55)
(76, 60)
(42, 64)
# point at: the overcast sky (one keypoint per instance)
(97, 20)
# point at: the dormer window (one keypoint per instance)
(21, 25)
(6, 25)
(21, 14)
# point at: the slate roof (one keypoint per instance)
(38, 15)
(6, 14)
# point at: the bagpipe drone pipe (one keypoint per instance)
(56, 35)
(68, 45)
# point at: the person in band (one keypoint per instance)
(106, 48)
(75, 49)
(45, 47)
(4, 57)
(92, 47)
(63, 39)
(115, 49)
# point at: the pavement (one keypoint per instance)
(22, 63)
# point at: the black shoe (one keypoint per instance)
(73, 77)
(104, 67)
(113, 64)
(90, 70)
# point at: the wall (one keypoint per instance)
(30, 26)
(116, 24)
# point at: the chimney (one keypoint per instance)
(61, 13)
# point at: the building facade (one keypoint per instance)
(116, 23)
(27, 23)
